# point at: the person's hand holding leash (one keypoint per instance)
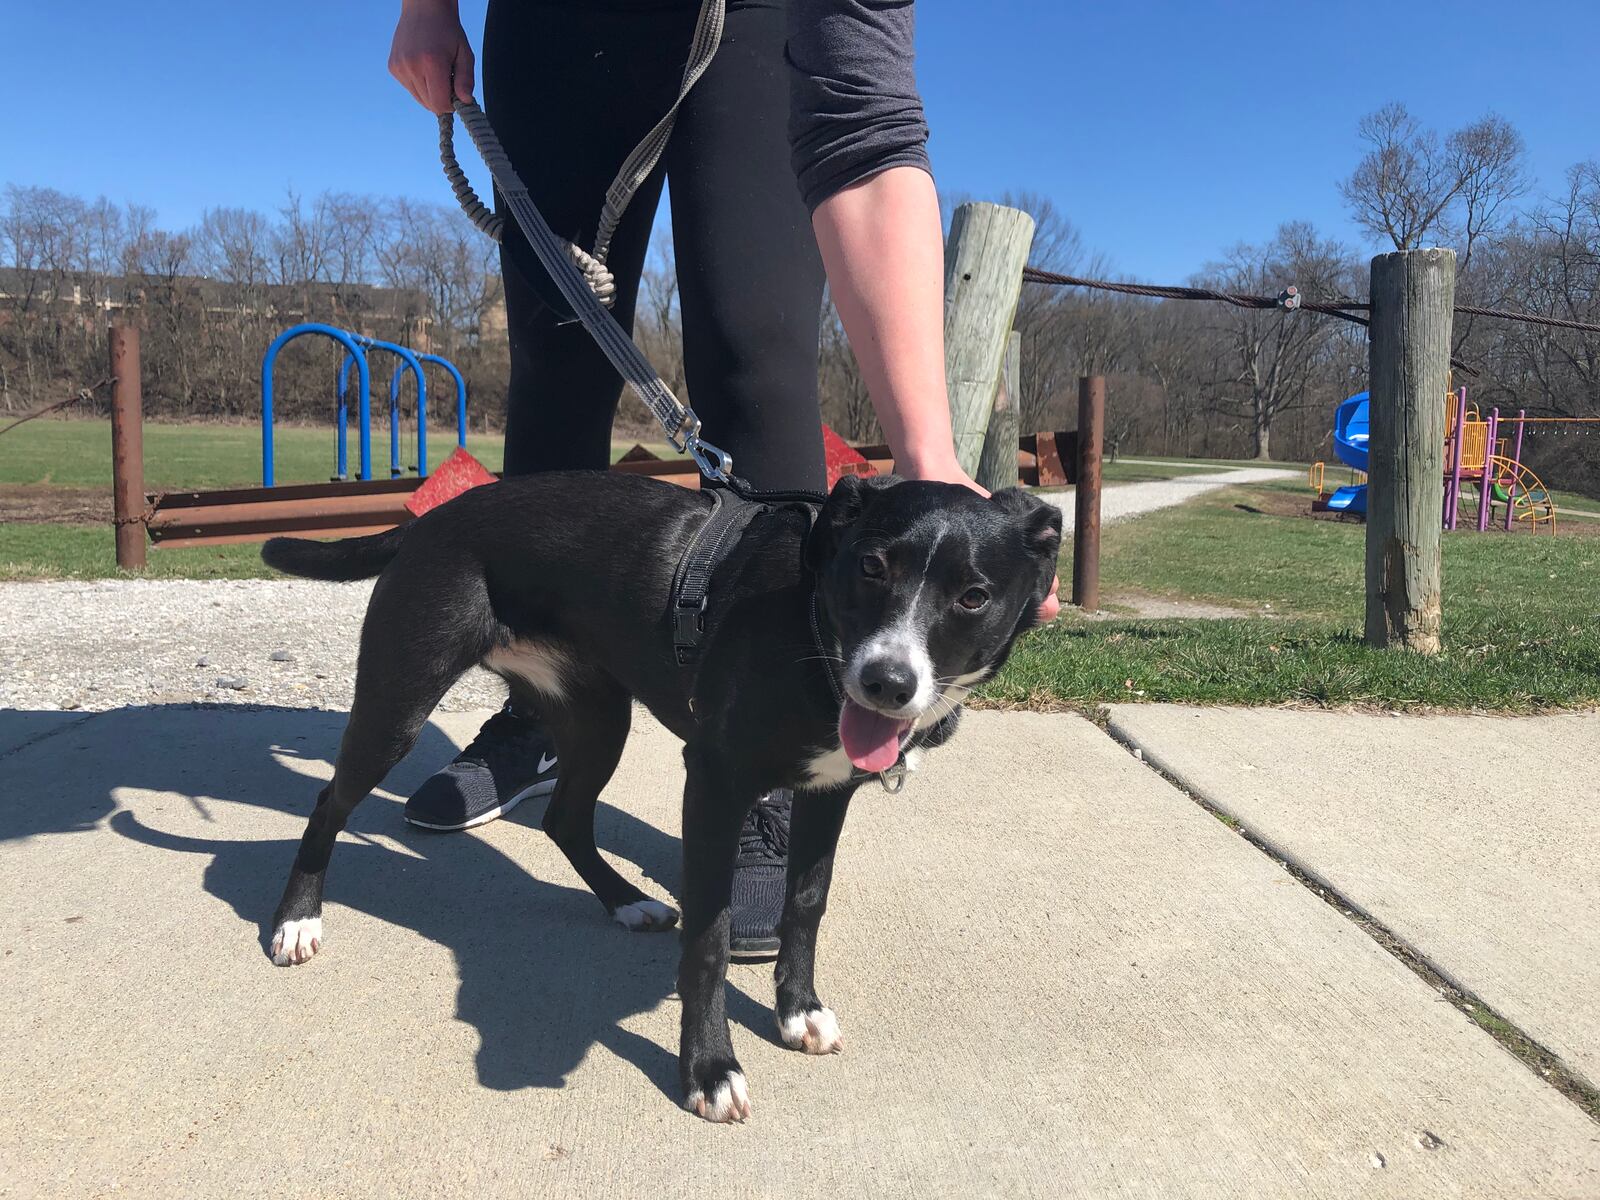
(431, 55)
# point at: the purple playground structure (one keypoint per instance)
(1483, 467)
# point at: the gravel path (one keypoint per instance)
(104, 644)
(1118, 502)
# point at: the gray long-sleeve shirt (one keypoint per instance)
(854, 108)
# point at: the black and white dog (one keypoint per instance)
(836, 641)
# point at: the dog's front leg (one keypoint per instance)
(804, 1022)
(713, 1083)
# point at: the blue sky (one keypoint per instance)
(1165, 131)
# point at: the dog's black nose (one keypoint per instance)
(889, 681)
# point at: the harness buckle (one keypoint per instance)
(688, 623)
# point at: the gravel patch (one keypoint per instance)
(105, 644)
(1162, 607)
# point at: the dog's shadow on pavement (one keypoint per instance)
(543, 974)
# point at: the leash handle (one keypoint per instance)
(575, 278)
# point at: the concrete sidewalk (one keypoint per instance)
(1475, 839)
(1057, 976)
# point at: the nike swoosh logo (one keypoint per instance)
(546, 761)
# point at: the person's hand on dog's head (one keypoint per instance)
(949, 471)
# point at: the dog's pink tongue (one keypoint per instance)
(870, 740)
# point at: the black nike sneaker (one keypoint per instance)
(758, 877)
(511, 759)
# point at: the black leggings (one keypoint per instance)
(571, 87)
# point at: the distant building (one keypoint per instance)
(395, 314)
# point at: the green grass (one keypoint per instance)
(1519, 633)
(40, 551)
(77, 453)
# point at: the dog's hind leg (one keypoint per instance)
(406, 666)
(590, 726)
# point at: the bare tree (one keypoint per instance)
(1413, 186)
(657, 324)
(44, 231)
(436, 252)
(1269, 356)
(233, 245)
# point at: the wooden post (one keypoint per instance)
(983, 263)
(998, 467)
(1413, 294)
(127, 447)
(1086, 521)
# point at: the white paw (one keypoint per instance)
(296, 941)
(729, 1101)
(645, 915)
(815, 1032)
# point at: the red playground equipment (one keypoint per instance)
(1479, 468)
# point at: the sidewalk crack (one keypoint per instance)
(1538, 1058)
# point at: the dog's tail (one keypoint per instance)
(338, 562)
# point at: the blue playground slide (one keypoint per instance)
(1350, 444)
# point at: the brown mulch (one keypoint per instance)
(42, 503)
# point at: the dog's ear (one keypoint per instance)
(1040, 521)
(842, 509)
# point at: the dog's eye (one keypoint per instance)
(973, 599)
(873, 566)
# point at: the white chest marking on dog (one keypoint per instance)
(296, 941)
(828, 768)
(540, 664)
(815, 1032)
(729, 1100)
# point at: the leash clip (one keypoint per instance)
(715, 463)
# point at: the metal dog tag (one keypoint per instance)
(894, 778)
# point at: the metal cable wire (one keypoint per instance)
(1289, 300)
(1502, 314)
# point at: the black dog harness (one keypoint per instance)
(691, 584)
(718, 534)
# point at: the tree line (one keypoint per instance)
(1184, 377)
(1201, 378)
(209, 299)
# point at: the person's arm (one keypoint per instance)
(430, 50)
(859, 143)
(884, 254)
